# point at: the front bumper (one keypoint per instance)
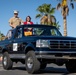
(56, 54)
(54, 57)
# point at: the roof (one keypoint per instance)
(36, 25)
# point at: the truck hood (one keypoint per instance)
(56, 37)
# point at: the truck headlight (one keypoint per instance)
(42, 43)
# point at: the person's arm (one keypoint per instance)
(10, 22)
(22, 22)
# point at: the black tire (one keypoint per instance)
(31, 62)
(43, 65)
(6, 61)
(71, 66)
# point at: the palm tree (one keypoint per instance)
(2, 36)
(63, 4)
(46, 14)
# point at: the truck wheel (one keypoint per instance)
(71, 66)
(32, 64)
(43, 65)
(6, 61)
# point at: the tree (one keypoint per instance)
(46, 14)
(64, 5)
(2, 36)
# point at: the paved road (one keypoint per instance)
(19, 69)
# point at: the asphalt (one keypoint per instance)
(19, 69)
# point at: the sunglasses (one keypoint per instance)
(15, 13)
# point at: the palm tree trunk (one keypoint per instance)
(49, 23)
(65, 26)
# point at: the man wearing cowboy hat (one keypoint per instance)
(15, 21)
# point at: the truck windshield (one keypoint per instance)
(40, 31)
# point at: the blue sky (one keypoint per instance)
(28, 7)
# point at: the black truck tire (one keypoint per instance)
(6, 61)
(71, 66)
(32, 63)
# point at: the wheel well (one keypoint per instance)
(29, 49)
(4, 50)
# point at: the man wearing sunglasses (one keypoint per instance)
(15, 20)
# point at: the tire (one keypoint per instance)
(31, 62)
(6, 61)
(43, 65)
(71, 66)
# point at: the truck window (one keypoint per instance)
(28, 31)
(54, 32)
(41, 31)
(9, 34)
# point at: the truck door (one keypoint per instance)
(8, 41)
(17, 45)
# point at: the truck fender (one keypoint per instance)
(29, 47)
(4, 50)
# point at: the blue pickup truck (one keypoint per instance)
(36, 46)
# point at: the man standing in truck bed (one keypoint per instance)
(15, 21)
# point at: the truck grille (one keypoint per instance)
(63, 44)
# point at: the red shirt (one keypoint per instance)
(28, 23)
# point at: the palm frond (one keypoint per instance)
(57, 25)
(72, 0)
(67, 10)
(52, 11)
(40, 9)
(53, 19)
(46, 7)
(38, 16)
(72, 5)
(58, 6)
